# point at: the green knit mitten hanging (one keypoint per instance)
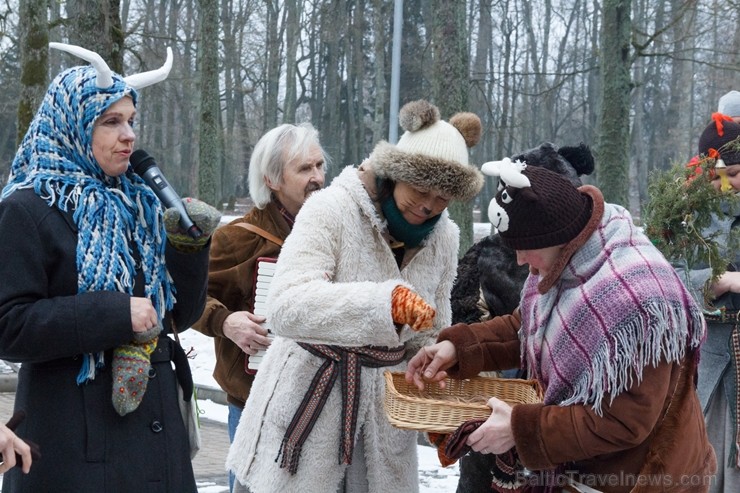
(131, 370)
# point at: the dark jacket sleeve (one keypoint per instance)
(546, 436)
(189, 273)
(42, 317)
(485, 346)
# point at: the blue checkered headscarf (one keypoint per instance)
(113, 215)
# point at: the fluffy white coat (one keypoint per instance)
(333, 285)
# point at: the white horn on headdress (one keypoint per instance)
(105, 77)
(137, 81)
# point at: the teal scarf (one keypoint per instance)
(410, 234)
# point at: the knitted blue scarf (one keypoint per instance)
(113, 214)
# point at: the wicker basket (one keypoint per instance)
(439, 410)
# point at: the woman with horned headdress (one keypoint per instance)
(96, 274)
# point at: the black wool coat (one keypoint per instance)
(47, 326)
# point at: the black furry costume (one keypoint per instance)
(489, 283)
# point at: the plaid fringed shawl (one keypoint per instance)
(617, 307)
(56, 160)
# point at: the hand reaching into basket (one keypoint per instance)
(430, 363)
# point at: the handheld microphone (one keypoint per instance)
(146, 167)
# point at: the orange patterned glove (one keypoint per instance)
(409, 308)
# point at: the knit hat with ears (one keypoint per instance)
(726, 141)
(729, 104)
(535, 207)
(432, 154)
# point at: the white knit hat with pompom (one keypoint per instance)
(432, 153)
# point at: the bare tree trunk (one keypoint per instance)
(355, 88)
(682, 134)
(231, 133)
(96, 25)
(613, 162)
(507, 33)
(450, 88)
(479, 98)
(638, 167)
(210, 110)
(538, 56)
(316, 75)
(272, 66)
(292, 32)
(189, 96)
(34, 43)
(173, 121)
(380, 37)
(333, 30)
(416, 55)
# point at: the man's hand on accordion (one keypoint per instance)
(244, 329)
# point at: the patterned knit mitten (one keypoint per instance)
(131, 370)
(203, 215)
(409, 308)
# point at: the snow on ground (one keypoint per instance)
(433, 478)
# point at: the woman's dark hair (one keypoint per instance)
(385, 187)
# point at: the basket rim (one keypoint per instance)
(395, 400)
(413, 399)
(390, 384)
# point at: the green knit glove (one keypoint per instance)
(203, 215)
(131, 364)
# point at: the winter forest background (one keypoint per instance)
(637, 81)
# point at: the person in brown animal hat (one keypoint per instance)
(489, 281)
(607, 329)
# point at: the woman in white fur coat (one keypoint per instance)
(362, 283)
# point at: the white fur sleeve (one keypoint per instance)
(307, 302)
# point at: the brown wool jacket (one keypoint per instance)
(233, 257)
(650, 438)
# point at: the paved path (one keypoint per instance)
(208, 464)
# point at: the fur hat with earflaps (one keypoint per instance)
(432, 153)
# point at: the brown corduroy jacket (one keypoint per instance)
(233, 258)
(650, 438)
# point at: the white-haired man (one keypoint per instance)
(286, 167)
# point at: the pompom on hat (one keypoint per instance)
(729, 104)
(535, 207)
(725, 140)
(432, 153)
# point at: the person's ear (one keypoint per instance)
(270, 185)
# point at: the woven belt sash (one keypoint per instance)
(345, 362)
(732, 317)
